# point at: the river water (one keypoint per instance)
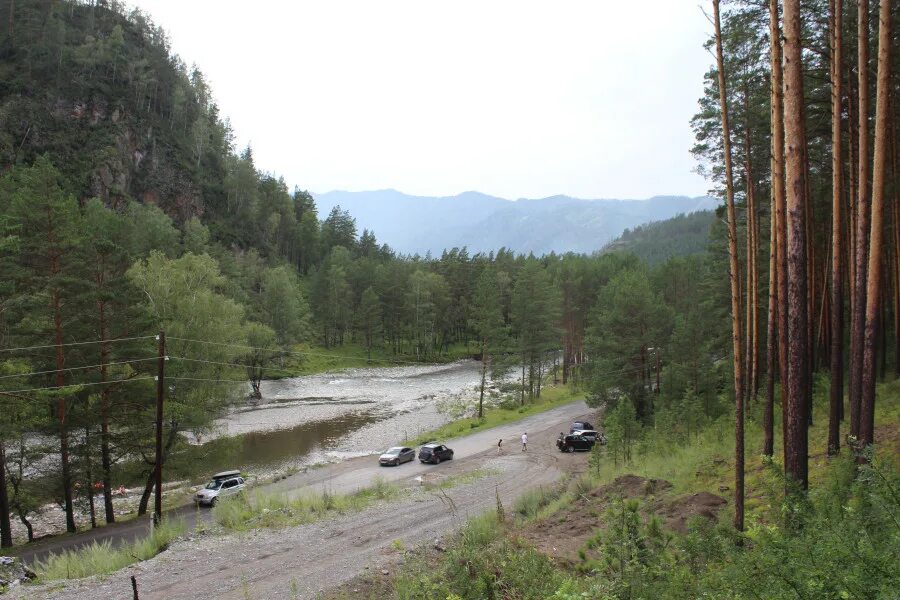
(327, 417)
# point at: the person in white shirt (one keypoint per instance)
(524, 442)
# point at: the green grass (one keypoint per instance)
(259, 509)
(551, 397)
(102, 558)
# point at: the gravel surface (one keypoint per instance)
(301, 562)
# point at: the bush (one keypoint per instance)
(531, 502)
(102, 558)
(264, 510)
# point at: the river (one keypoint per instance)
(313, 419)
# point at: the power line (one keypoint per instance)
(128, 339)
(123, 362)
(74, 385)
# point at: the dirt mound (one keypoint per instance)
(632, 486)
(562, 534)
(678, 512)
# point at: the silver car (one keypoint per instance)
(396, 456)
(222, 485)
(594, 436)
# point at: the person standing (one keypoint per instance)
(524, 442)
(499, 446)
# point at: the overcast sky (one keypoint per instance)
(513, 98)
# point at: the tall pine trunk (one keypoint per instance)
(779, 220)
(771, 347)
(734, 275)
(752, 308)
(879, 171)
(837, 228)
(895, 203)
(858, 321)
(796, 435)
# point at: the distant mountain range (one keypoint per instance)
(421, 224)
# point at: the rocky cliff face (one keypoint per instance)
(98, 92)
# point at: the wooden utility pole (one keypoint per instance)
(160, 397)
(879, 170)
(796, 442)
(734, 276)
(837, 234)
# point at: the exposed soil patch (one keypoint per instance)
(562, 534)
(679, 511)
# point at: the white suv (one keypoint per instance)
(227, 483)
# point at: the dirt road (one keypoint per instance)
(301, 562)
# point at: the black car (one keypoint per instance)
(580, 426)
(435, 453)
(571, 443)
(396, 456)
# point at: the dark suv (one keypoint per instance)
(571, 443)
(435, 453)
(580, 426)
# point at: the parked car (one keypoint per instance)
(572, 442)
(396, 456)
(435, 453)
(594, 436)
(222, 485)
(580, 426)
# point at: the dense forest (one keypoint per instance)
(126, 210)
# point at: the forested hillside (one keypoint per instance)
(682, 235)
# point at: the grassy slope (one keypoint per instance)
(707, 463)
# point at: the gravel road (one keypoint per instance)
(303, 561)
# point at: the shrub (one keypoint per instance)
(102, 558)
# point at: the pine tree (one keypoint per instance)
(368, 319)
(734, 275)
(796, 440)
(879, 174)
(487, 323)
(837, 231)
(49, 223)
